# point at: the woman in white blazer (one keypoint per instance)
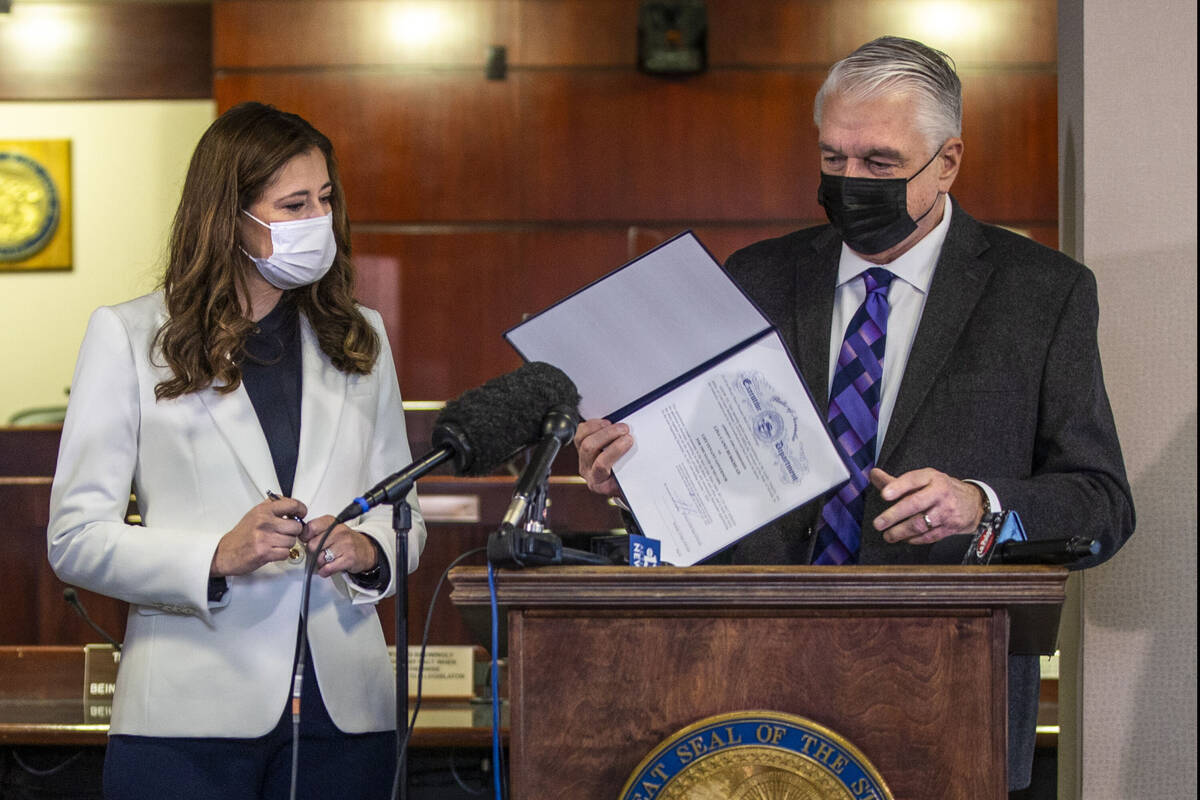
(251, 372)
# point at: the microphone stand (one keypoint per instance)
(515, 545)
(535, 528)
(402, 524)
(536, 516)
(398, 486)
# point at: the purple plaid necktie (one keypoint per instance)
(854, 419)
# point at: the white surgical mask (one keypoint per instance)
(303, 251)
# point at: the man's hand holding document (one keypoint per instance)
(726, 434)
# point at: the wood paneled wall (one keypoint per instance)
(94, 50)
(475, 201)
(479, 200)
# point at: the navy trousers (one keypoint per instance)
(331, 763)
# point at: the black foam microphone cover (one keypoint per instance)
(487, 425)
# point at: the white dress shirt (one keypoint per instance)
(906, 296)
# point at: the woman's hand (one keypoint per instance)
(346, 550)
(265, 534)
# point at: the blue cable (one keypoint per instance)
(495, 683)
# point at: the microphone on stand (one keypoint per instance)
(72, 597)
(1001, 539)
(517, 545)
(480, 430)
(558, 426)
(1048, 551)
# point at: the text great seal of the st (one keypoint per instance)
(755, 755)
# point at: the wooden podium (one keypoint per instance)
(907, 663)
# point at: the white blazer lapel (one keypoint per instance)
(235, 418)
(322, 399)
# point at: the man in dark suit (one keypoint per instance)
(972, 348)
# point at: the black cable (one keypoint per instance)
(458, 779)
(298, 665)
(44, 773)
(302, 640)
(402, 663)
(428, 623)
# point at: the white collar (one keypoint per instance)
(915, 266)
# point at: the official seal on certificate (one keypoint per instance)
(773, 422)
(755, 755)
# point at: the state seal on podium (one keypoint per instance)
(755, 755)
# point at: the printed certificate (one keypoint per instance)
(726, 453)
(726, 436)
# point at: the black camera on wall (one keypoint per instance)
(672, 37)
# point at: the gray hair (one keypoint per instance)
(892, 64)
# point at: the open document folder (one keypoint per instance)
(726, 434)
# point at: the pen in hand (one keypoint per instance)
(296, 553)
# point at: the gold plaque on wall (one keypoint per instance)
(35, 204)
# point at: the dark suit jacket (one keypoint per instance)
(1003, 385)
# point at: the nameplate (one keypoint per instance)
(100, 662)
(434, 716)
(449, 672)
(97, 713)
(463, 508)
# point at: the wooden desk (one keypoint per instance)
(41, 703)
(460, 513)
(64, 723)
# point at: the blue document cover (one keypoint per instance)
(727, 437)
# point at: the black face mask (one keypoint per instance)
(870, 214)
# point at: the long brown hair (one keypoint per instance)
(202, 339)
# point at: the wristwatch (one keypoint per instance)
(369, 579)
(987, 505)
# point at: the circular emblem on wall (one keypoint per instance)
(755, 755)
(29, 207)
